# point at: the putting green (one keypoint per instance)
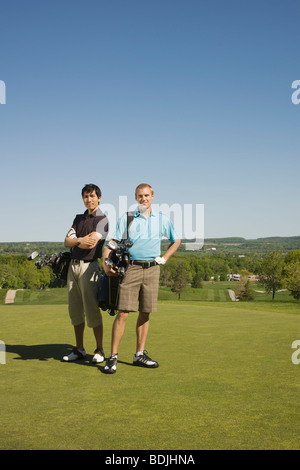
(226, 380)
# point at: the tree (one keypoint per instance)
(197, 280)
(167, 272)
(271, 272)
(180, 278)
(292, 256)
(292, 279)
(242, 290)
(9, 277)
(31, 276)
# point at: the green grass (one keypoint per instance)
(225, 381)
(218, 292)
(210, 292)
(42, 297)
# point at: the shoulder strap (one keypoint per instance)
(130, 216)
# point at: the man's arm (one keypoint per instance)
(172, 248)
(170, 251)
(85, 243)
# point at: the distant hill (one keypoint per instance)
(259, 246)
(231, 245)
(25, 248)
(246, 247)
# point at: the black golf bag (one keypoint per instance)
(59, 263)
(119, 258)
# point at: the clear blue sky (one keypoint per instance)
(191, 96)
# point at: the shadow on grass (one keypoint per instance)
(44, 352)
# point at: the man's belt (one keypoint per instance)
(144, 264)
(77, 261)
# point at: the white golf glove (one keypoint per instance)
(160, 260)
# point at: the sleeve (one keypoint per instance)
(72, 232)
(169, 230)
(120, 228)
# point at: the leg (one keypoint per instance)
(76, 314)
(142, 328)
(141, 358)
(128, 301)
(118, 330)
(79, 329)
(98, 333)
(76, 310)
(98, 353)
(117, 333)
(78, 352)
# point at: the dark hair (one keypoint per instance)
(89, 188)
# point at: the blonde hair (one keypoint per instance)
(142, 186)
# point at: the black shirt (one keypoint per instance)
(84, 224)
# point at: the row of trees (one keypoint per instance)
(275, 271)
(16, 272)
(278, 271)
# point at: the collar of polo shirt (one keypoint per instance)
(138, 213)
(97, 212)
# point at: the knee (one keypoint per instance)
(122, 316)
(144, 315)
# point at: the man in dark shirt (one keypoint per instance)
(86, 238)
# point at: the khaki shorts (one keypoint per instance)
(83, 293)
(139, 286)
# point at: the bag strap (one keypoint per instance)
(130, 217)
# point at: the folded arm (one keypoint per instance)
(85, 243)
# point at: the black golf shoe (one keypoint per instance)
(111, 365)
(143, 360)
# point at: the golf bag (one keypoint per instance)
(59, 263)
(118, 259)
(109, 293)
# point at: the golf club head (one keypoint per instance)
(109, 262)
(112, 245)
(33, 255)
(53, 257)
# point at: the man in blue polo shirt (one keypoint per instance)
(139, 289)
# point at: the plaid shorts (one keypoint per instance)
(139, 289)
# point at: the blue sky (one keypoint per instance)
(191, 96)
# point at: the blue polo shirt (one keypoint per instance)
(146, 234)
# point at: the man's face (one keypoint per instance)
(91, 201)
(144, 198)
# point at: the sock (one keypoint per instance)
(139, 353)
